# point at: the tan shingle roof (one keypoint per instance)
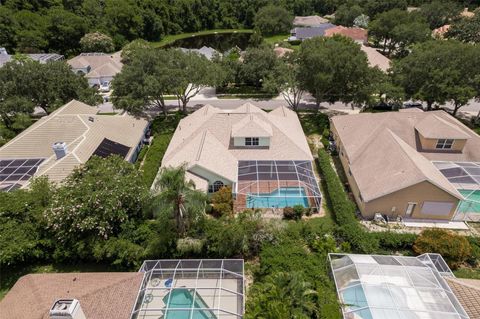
(383, 153)
(204, 138)
(467, 292)
(250, 126)
(71, 124)
(101, 295)
(436, 127)
(376, 59)
(309, 21)
(100, 64)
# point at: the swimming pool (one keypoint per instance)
(472, 204)
(183, 298)
(280, 198)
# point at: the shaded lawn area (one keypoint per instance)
(8, 277)
(276, 38)
(172, 38)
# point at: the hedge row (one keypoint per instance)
(154, 157)
(344, 209)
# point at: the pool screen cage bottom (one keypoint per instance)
(266, 179)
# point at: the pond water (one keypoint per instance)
(220, 42)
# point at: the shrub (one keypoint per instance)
(154, 157)
(298, 211)
(222, 202)
(344, 209)
(455, 249)
(395, 241)
(289, 213)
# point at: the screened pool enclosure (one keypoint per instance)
(465, 177)
(191, 289)
(394, 287)
(276, 184)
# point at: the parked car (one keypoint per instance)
(412, 104)
(104, 87)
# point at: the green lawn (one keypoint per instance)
(467, 273)
(276, 38)
(172, 38)
(9, 277)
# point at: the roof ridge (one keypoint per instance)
(374, 132)
(200, 146)
(455, 127)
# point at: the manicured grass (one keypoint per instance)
(9, 277)
(467, 273)
(276, 38)
(172, 38)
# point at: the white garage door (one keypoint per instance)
(437, 208)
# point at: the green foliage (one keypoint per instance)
(93, 203)
(162, 129)
(258, 65)
(272, 19)
(344, 209)
(96, 42)
(435, 72)
(293, 213)
(177, 198)
(391, 241)
(440, 12)
(466, 30)
(307, 291)
(222, 202)
(346, 14)
(334, 69)
(47, 85)
(397, 29)
(240, 235)
(455, 249)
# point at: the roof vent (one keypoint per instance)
(66, 309)
(91, 119)
(60, 149)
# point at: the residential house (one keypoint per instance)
(375, 58)
(309, 21)
(410, 164)
(263, 156)
(208, 288)
(281, 52)
(98, 68)
(56, 144)
(39, 57)
(207, 52)
(440, 32)
(358, 35)
(303, 33)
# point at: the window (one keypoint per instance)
(251, 141)
(215, 187)
(444, 144)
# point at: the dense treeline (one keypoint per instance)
(57, 26)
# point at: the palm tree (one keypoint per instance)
(178, 197)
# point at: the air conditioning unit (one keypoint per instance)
(66, 309)
(60, 149)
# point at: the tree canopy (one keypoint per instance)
(273, 19)
(440, 71)
(96, 42)
(440, 12)
(397, 29)
(334, 69)
(466, 29)
(48, 86)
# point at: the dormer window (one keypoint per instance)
(252, 141)
(444, 144)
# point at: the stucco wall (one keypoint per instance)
(430, 144)
(419, 193)
(209, 176)
(240, 142)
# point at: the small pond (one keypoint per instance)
(220, 42)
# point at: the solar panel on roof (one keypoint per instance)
(14, 171)
(109, 147)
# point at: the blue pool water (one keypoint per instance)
(183, 298)
(280, 198)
